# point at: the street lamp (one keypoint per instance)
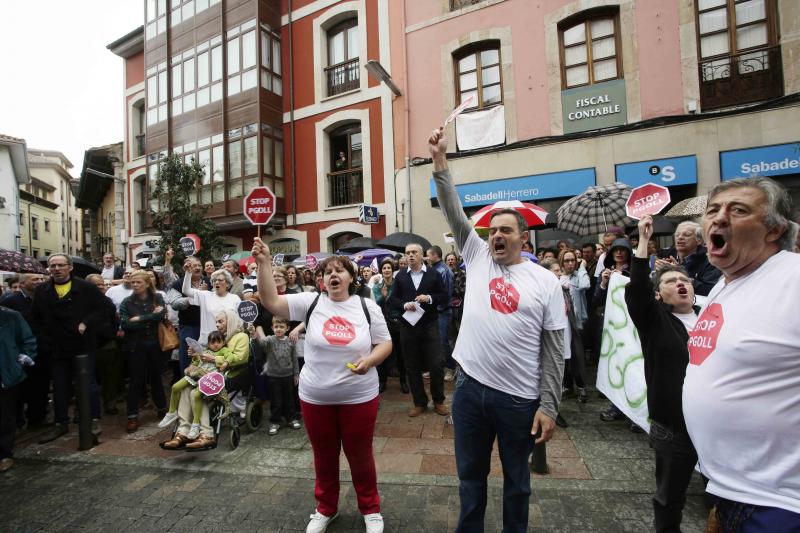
(375, 68)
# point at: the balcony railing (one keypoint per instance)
(458, 4)
(139, 146)
(741, 78)
(342, 77)
(345, 187)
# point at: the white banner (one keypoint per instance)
(620, 370)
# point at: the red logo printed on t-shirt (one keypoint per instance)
(503, 295)
(703, 338)
(338, 331)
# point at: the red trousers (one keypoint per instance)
(331, 428)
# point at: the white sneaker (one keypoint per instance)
(194, 432)
(295, 424)
(374, 523)
(273, 430)
(168, 419)
(319, 522)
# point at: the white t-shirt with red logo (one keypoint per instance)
(741, 395)
(338, 334)
(505, 311)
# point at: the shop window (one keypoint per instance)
(740, 60)
(590, 49)
(479, 75)
(342, 73)
(345, 179)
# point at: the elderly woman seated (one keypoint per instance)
(238, 377)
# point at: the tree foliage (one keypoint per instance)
(175, 182)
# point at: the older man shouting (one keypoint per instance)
(741, 395)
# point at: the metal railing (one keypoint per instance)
(342, 77)
(345, 187)
(741, 78)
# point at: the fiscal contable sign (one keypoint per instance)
(248, 311)
(649, 199)
(259, 206)
(211, 384)
(368, 214)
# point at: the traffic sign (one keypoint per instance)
(248, 311)
(368, 214)
(190, 244)
(648, 199)
(259, 206)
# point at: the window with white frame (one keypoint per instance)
(342, 73)
(156, 16)
(241, 67)
(590, 49)
(272, 154)
(184, 10)
(271, 78)
(197, 76)
(156, 96)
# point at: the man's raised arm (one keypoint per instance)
(446, 189)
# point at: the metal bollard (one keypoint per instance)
(85, 437)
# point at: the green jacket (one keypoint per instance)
(15, 338)
(238, 355)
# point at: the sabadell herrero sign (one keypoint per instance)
(597, 106)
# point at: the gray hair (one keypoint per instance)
(224, 274)
(698, 229)
(778, 211)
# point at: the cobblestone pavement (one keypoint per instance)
(601, 480)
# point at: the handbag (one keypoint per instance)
(167, 337)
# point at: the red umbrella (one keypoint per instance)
(534, 215)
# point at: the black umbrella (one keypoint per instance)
(557, 235)
(13, 261)
(80, 266)
(398, 241)
(661, 226)
(550, 222)
(358, 244)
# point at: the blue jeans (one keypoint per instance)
(445, 318)
(65, 384)
(184, 332)
(480, 413)
(736, 517)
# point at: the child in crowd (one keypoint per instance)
(282, 373)
(216, 347)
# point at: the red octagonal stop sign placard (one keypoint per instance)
(703, 338)
(648, 199)
(259, 206)
(503, 296)
(338, 331)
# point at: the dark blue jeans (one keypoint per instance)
(185, 332)
(145, 364)
(65, 383)
(736, 517)
(479, 414)
(445, 318)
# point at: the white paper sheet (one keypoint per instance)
(412, 317)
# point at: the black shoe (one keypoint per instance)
(582, 396)
(635, 428)
(381, 387)
(560, 422)
(611, 414)
(57, 431)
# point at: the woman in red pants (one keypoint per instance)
(346, 338)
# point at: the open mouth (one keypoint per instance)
(499, 247)
(717, 243)
(683, 291)
(334, 283)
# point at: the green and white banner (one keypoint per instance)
(620, 371)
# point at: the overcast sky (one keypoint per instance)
(61, 88)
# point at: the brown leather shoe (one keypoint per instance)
(132, 426)
(417, 410)
(441, 409)
(176, 443)
(201, 442)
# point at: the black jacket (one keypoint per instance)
(57, 319)
(663, 337)
(430, 284)
(704, 274)
(146, 327)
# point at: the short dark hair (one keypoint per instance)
(216, 336)
(522, 224)
(347, 264)
(552, 250)
(667, 268)
(279, 320)
(389, 261)
(437, 250)
(588, 245)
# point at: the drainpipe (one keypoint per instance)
(291, 118)
(407, 115)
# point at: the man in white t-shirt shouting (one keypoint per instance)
(511, 352)
(741, 395)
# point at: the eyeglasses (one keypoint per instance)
(58, 265)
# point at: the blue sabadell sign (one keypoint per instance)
(667, 172)
(776, 160)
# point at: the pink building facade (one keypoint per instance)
(565, 94)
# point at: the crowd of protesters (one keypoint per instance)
(330, 339)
